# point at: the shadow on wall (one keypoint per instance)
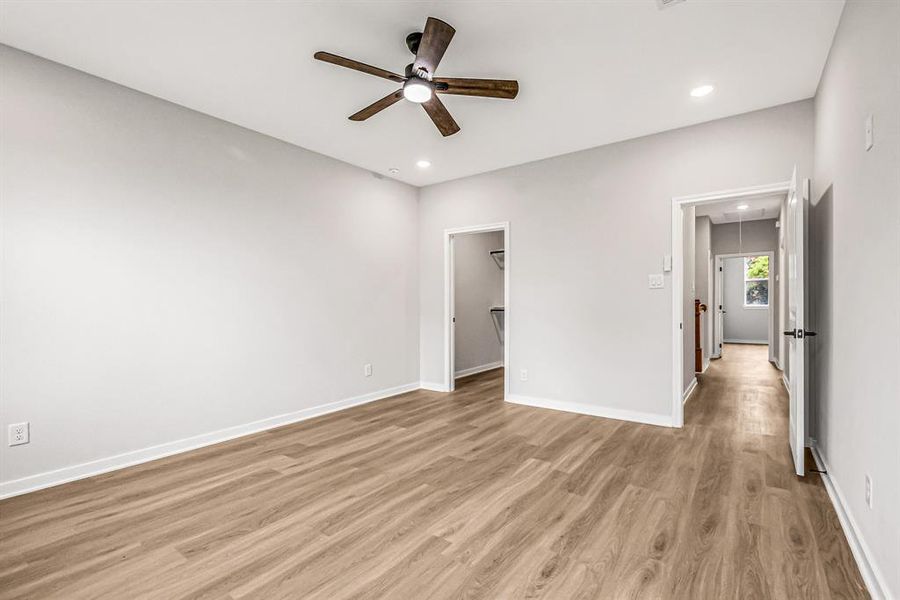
(820, 306)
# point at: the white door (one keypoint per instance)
(451, 325)
(719, 310)
(796, 240)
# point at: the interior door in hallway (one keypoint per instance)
(796, 240)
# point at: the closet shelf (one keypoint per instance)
(498, 316)
(498, 256)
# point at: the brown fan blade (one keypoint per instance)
(377, 106)
(441, 116)
(489, 88)
(434, 42)
(357, 66)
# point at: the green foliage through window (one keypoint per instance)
(757, 267)
(756, 281)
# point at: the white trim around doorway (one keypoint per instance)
(718, 276)
(679, 203)
(449, 337)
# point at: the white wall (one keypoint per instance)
(585, 231)
(702, 277)
(478, 288)
(741, 324)
(166, 274)
(858, 372)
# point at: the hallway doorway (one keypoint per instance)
(745, 301)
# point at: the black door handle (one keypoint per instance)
(799, 333)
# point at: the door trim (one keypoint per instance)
(719, 333)
(679, 203)
(449, 301)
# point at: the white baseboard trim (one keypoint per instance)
(690, 390)
(757, 342)
(40, 481)
(871, 575)
(786, 382)
(433, 387)
(479, 369)
(593, 410)
(705, 365)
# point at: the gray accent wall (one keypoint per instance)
(750, 236)
(688, 292)
(855, 222)
(703, 281)
(478, 287)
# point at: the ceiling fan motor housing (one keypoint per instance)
(412, 41)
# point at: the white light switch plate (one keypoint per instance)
(656, 281)
(667, 262)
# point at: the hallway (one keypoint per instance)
(781, 528)
(742, 392)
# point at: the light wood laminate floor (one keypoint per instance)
(454, 496)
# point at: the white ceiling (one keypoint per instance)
(590, 73)
(760, 207)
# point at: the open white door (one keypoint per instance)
(719, 294)
(451, 324)
(796, 244)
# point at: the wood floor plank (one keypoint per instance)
(429, 495)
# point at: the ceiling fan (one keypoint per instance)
(419, 83)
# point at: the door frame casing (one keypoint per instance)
(679, 203)
(450, 300)
(719, 333)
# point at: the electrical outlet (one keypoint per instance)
(367, 369)
(523, 374)
(19, 434)
(868, 491)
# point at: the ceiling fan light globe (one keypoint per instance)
(417, 90)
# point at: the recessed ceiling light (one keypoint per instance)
(423, 164)
(702, 90)
(393, 170)
(743, 206)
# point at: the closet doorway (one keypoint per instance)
(476, 303)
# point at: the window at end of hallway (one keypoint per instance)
(756, 282)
